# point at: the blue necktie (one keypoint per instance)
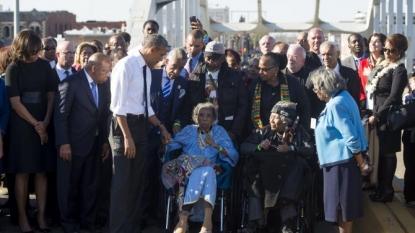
(166, 87)
(66, 73)
(94, 92)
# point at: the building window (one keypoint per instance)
(6, 32)
(38, 30)
(60, 29)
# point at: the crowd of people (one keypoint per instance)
(89, 121)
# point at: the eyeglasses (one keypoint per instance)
(68, 53)
(265, 69)
(386, 50)
(293, 57)
(47, 49)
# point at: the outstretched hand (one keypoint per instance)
(197, 26)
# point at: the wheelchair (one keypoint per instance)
(223, 211)
(305, 204)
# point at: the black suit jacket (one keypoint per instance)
(231, 94)
(353, 87)
(312, 61)
(77, 118)
(178, 90)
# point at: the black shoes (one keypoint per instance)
(91, 228)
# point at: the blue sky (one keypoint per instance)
(274, 10)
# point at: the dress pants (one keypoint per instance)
(78, 182)
(151, 198)
(128, 176)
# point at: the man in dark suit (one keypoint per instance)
(330, 53)
(65, 54)
(167, 93)
(194, 48)
(215, 82)
(81, 113)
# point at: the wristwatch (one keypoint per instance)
(159, 125)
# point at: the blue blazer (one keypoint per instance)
(179, 91)
(339, 131)
(77, 118)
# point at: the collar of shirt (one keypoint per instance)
(196, 58)
(52, 64)
(214, 74)
(61, 71)
(337, 68)
(163, 80)
(90, 80)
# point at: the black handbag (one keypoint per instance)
(401, 117)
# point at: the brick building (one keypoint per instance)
(46, 24)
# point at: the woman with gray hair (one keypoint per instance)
(276, 151)
(340, 141)
(206, 146)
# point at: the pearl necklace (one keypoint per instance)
(200, 141)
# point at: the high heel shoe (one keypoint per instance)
(32, 231)
(43, 230)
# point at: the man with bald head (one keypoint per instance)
(280, 47)
(48, 51)
(81, 113)
(266, 43)
(314, 39)
(302, 40)
(296, 59)
(65, 54)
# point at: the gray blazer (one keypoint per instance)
(349, 62)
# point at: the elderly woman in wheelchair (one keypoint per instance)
(208, 152)
(277, 172)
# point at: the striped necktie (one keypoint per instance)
(166, 87)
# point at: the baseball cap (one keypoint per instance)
(214, 49)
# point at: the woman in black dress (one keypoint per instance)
(31, 87)
(386, 84)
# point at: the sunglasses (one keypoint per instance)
(386, 50)
(266, 69)
(47, 49)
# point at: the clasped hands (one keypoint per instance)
(283, 148)
(40, 128)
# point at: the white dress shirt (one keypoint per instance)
(127, 87)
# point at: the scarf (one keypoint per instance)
(256, 103)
